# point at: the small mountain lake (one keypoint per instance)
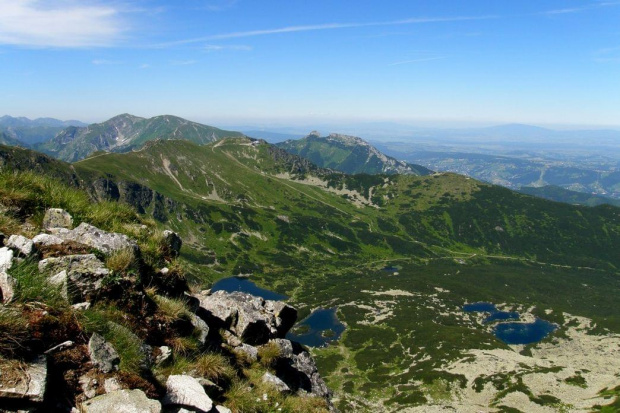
(514, 332)
(318, 329)
(232, 284)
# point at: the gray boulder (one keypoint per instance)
(7, 287)
(23, 246)
(84, 273)
(202, 328)
(285, 346)
(249, 352)
(276, 382)
(57, 218)
(315, 384)
(102, 354)
(186, 391)
(122, 401)
(6, 259)
(173, 243)
(251, 318)
(106, 242)
(27, 382)
(45, 240)
(60, 280)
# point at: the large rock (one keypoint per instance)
(173, 243)
(102, 354)
(251, 318)
(106, 242)
(186, 391)
(7, 287)
(6, 259)
(25, 382)
(23, 246)
(201, 326)
(276, 382)
(122, 401)
(300, 373)
(46, 240)
(84, 273)
(57, 218)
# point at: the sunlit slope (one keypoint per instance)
(238, 189)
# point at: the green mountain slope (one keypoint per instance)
(126, 132)
(324, 239)
(559, 194)
(348, 154)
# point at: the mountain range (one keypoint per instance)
(348, 154)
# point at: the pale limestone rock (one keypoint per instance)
(186, 391)
(122, 401)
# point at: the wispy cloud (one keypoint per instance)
(219, 5)
(571, 10)
(144, 66)
(182, 62)
(608, 55)
(420, 60)
(58, 23)
(323, 26)
(99, 62)
(218, 47)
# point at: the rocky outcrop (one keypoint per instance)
(83, 274)
(106, 242)
(186, 391)
(253, 319)
(173, 243)
(122, 401)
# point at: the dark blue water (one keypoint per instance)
(390, 269)
(244, 285)
(524, 333)
(494, 313)
(513, 333)
(320, 321)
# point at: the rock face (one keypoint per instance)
(122, 401)
(29, 384)
(106, 242)
(57, 218)
(83, 274)
(251, 318)
(186, 391)
(102, 354)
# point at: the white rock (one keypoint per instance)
(46, 240)
(111, 384)
(186, 391)
(6, 259)
(21, 245)
(276, 382)
(222, 409)
(7, 287)
(122, 401)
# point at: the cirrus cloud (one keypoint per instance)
(59, 23)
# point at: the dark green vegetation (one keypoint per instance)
(125, 133)
(322, 238)
(348, 154)
(559, 194)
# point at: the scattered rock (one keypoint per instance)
(111, 384)
(57, 218)
(20, 244)
(249, 352)
(173, 243)
(251, 318)
(7, 288)
(277, 382)
(186, 391)
(102, 354)
(45, 240)
(84, 273)
(6, 259)
(222, 409)
(106, 242)
(164, 355)
(81, 306)
(122, 401)
(59, 347)
(28, 381)
(201, 326)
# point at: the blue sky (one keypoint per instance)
(260, 61)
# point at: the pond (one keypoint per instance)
(512, 333)
(244, 285)
(318, 329)
(524, 333)
(494, 313)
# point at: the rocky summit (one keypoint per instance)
(87, 324)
